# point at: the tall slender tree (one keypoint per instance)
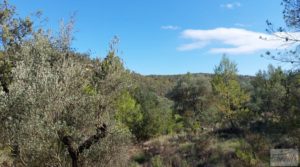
(231, 98)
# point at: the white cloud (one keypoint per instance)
(232, 41)
(231, 5)
(170, 27)
(192, 46)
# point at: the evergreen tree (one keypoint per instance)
(231, 98)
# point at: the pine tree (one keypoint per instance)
(231, 98)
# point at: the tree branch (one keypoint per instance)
(74, 150)
(101, 133)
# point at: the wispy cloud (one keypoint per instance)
(242, 25)
(170, 27)
(231, 5)
(231, 41)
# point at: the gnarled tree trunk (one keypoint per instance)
(75, 151)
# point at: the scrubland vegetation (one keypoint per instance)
(59, 107)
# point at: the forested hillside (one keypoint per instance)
(60, 107)
(162, 84)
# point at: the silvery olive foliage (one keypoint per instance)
(59, 91)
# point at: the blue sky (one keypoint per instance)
(168, 36)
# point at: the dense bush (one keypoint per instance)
(192, 97)
(157, 116)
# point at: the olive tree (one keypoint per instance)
(13, 32)
(60, 110)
